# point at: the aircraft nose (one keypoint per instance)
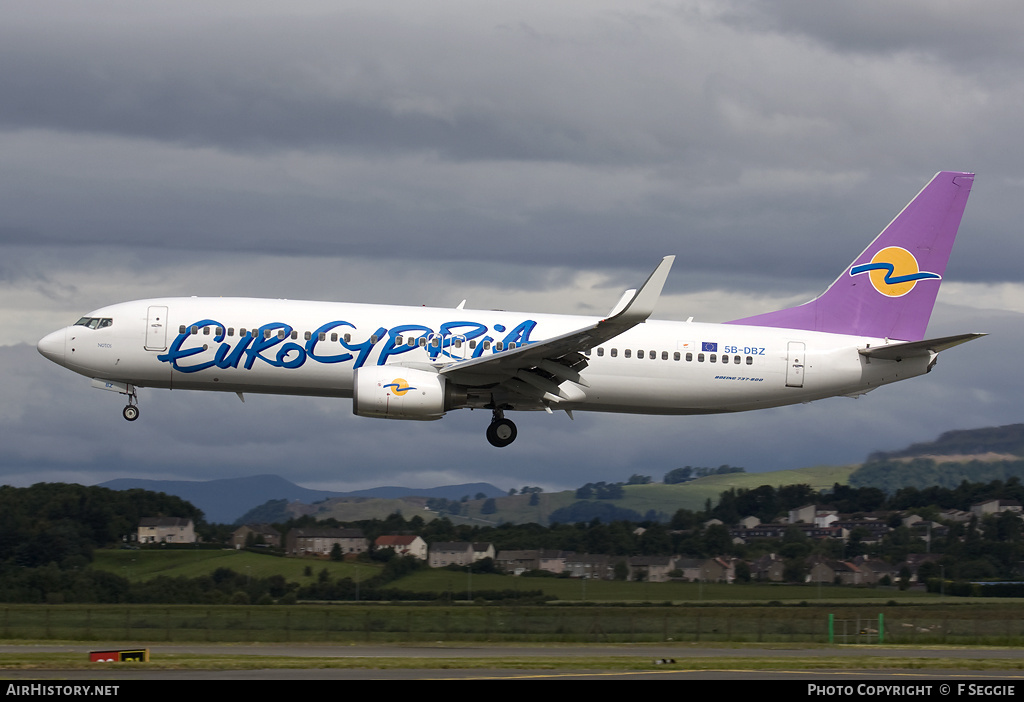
(52, 346)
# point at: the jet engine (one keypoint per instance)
(397, 392)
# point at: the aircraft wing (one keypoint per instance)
(536, 370)
(911, 349)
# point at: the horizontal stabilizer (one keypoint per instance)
(912, 349)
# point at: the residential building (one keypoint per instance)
(403, 545)
(321, 541)
(255, 534)
(176, 530)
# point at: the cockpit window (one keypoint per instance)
(94, 322)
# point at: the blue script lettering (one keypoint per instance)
(271, 344)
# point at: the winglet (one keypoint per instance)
(641, 306)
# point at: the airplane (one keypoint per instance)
(417, 363)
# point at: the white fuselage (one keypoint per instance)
(249, 345)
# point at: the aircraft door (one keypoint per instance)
(795, 363)
(156, 329)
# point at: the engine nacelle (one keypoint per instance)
(396, 392)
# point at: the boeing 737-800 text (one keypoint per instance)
(867, 329)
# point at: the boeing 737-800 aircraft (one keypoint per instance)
(867, 329)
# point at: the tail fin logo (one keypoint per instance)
(399, 386)
(893, 271)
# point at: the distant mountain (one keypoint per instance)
(1002, 441)
(975, 455)
(225, 500)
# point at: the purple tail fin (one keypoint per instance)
(890, 289)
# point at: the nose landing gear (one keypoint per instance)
(501, 432)
(131, 410)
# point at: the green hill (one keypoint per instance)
(664, 500)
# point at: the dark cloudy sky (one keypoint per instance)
(532, 155)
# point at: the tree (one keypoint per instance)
(678, 475)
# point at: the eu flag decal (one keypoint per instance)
(709, 346)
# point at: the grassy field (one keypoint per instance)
(577, 590)
(978, 624)
(145, 564)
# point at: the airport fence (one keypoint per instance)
(568, 624)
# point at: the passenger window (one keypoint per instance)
(374, 339)
(736, 360)
(713, 358)
(195, 329)
(750, 360)
(627, 353)
(181, 329)
(498, 346)
(600, 352)
(472, 344)
(281, 333)
(664, 356)
(295, 334)
(487, 345)
(348, 338)
(700, 358)
(231, 331)
(334, 336)
(219, 331)
(676, 356)
(615, 352)
(689, 356)
(308, 335)
(322, 336)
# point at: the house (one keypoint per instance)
(874, 571)
(995, 506)
(255, 534)
(652, 569)
(321, 541)
(171, 530)
(749, 522)
(552, 561)
(839, 572)
(518, 562)
(445, 553)
(701, 569)
(591, 566)
(482, 550)
(768, 567)
(803, 514)
(403, 545)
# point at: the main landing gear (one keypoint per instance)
(501, 432)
